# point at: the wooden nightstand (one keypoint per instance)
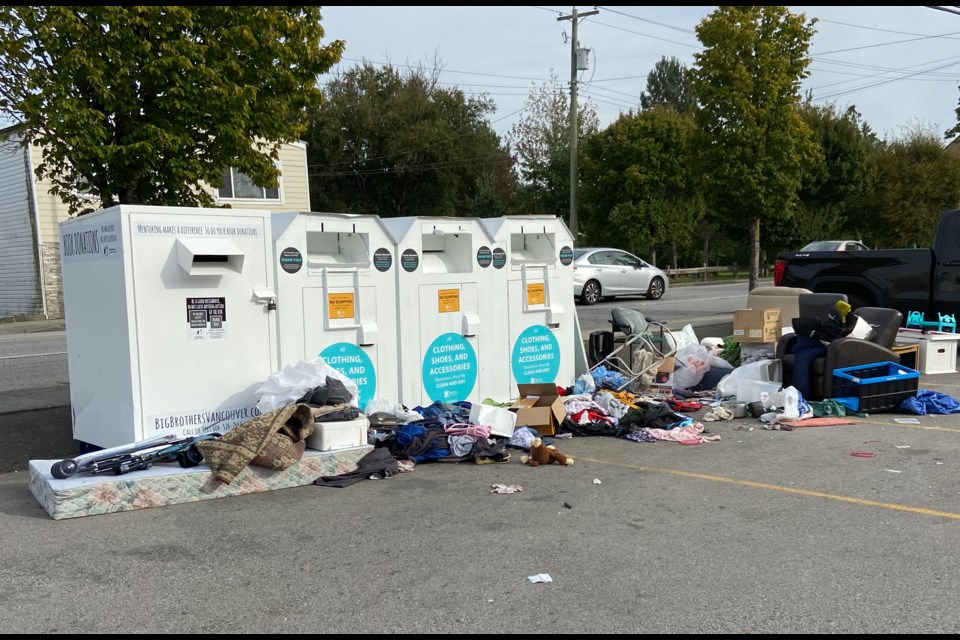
(909, 354)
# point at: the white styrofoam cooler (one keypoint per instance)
(937, 352)
(331, 436)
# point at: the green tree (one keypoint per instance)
(144, 104)
(829, 201)
(755, 145)
(640, 186)
(394, 144)
(541, 142)
(668, 86)
(917, 179)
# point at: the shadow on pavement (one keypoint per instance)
(35, 435)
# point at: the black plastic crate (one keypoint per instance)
(874, 387)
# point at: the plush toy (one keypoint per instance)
(542, 454)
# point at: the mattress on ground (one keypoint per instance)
(169, 483)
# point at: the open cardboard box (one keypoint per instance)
(539, 407)
(662, 385)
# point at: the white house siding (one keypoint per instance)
(294, 196)
(294, 186)
(50, 212)
(20, 293)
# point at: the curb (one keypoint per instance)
(12, 319)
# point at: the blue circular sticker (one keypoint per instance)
(449, 368)
(536, 356)
(353, 362)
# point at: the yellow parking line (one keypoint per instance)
(774, 487)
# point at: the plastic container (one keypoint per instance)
(874, 387)
(753, 390)
(332, 436)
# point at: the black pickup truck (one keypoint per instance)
(924, 280)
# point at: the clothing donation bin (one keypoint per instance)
(170, 320)
(337, 297)
(542, 331)
(440, 307)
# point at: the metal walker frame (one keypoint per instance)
(614, 361)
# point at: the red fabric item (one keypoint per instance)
(683, 405)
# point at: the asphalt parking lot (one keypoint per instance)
(759, 532)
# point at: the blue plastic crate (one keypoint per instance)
(874, 387)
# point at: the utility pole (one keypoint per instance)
(574, 19)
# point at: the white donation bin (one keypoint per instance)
(169, 317)
(337, 297)
(542, 334)
(439, 300)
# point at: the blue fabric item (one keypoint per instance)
(805, 351)
(432, 454)
(606, 379)
(580, 387)
(927, 401)
(446, 413)
(522, 437)
(802, 405)
(407, 432)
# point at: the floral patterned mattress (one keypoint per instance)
(169, 483)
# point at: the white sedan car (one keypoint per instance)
(602, 272)
(836, 245)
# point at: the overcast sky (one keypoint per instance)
(899, 66)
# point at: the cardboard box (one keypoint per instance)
(539, 407)
(756, 325)
(662, 385)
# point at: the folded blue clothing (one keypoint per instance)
(927, 401)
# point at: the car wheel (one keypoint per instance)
(590, 293)
(656, 289)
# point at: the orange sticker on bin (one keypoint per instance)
(340, 305)
(535, 293)
(448, 300)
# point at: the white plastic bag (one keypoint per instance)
(759, 371)
(680, 339)
(291, 383)
(585, 384)
(695, 361)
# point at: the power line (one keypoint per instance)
(856, 65)
(659, 24)
(646, 35)
(469, 73)
(884, 44)
(883, 82)
(954, 10)
(409, 151)
(863, 26)
(884, 72)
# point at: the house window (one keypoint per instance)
(235, 185)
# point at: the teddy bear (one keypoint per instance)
(543, 454)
